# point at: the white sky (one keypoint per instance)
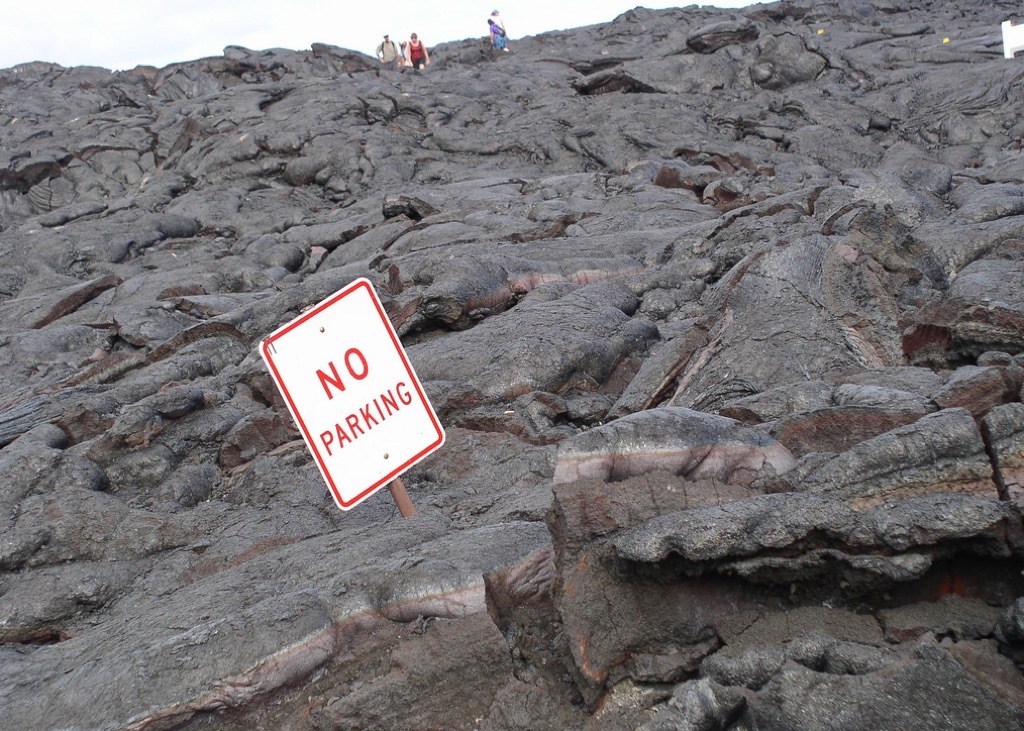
(121, 34)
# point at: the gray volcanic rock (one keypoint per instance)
(821, 690)
(671, 439)
(721, 312)
(941, 452)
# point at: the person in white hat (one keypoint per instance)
(387, 52)
(498, 21)
(502, 38)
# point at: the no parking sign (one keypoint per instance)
(350, 387)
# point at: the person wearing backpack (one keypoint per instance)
(498, 38)
(497, 19)
(387, 52)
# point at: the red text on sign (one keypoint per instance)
(355, 364)
(366, 417)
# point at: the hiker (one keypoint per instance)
(498, 21)
(418, 55)
(498, 39)
(387, 52)
(404, 55)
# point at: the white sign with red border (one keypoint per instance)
(353, 393)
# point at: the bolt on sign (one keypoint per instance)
(350, 387)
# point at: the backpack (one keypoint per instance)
(499, 30)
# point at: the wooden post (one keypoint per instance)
(398, 492)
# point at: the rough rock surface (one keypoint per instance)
(721, 310)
